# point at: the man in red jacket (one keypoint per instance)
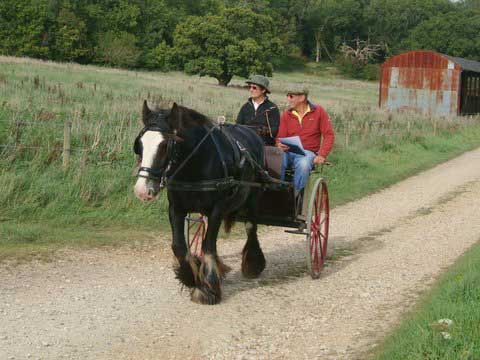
(311, 123)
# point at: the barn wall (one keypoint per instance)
(421, 80)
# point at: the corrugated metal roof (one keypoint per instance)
(469, 65)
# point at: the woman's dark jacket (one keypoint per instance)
(267, 113)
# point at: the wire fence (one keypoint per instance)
(57, 123)
(66, 150)
(59, 149)
(349, 131)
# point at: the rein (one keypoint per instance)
(180, 167)
(225, 183)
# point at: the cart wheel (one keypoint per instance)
(317, 228)
(195, 231)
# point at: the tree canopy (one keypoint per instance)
(222, 38)
(236, 42)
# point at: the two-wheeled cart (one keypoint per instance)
(278, 206)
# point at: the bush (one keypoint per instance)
(356, 70)
(161, 58)
(118, 49)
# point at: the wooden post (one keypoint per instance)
(347, 135)
(66, 144)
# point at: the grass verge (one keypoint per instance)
(455, 297)
(27, 240)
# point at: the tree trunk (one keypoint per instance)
(318, 49)
(224, 79)
(328, 53)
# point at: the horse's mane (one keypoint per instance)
(195, 115)
(189, 117)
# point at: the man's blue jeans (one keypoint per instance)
(302, 166)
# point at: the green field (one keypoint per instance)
(43, 207)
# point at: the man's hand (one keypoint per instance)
(282, 146)
(318, 160)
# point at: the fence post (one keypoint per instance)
(66, 143)
(347, 135)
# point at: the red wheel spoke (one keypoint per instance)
(323, 221)
(196, 231)
(318, 227)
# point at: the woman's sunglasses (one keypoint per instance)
(253, 87)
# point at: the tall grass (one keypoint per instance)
(104, 106)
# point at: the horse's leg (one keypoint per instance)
(186, 270)
(253, 260)
(212, 270)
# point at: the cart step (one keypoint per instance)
(297, 232)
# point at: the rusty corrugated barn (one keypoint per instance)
(431, 83)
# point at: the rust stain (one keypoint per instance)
(422, 80)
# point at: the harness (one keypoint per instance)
(228, 182)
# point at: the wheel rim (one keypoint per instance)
(197, 228)
(318, 225)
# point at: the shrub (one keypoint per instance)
(118, 49)
(356, 70)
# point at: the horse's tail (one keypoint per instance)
(228, 222)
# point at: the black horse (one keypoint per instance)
(207, 169)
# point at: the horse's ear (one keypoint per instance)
(146, 113)
(175, 109)
(174, 116)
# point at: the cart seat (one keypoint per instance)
(273, 161)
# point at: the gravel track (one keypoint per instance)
(386, 249)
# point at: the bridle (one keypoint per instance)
(161, 173)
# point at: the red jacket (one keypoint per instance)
(315, 125)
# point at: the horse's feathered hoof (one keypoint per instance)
(253, 263)
(187, 271)
(205, 296)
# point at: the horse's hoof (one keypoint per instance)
(205, 297)
(253, 263)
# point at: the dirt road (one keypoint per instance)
(125, 304)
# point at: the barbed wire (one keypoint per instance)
(60, 124)
(21, 147)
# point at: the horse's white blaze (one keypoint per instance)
(150, 143)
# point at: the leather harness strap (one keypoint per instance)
(240, 154)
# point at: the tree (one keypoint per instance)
(160, 58)
(118, 49)
(123, 16)
(471, 4)
(454, 33)
(390, 22)
(330, 19)
(196, 7)
(24, 28)
(70, 42)
(237, 42)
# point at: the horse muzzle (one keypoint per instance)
(148, 185)
(146, 190)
